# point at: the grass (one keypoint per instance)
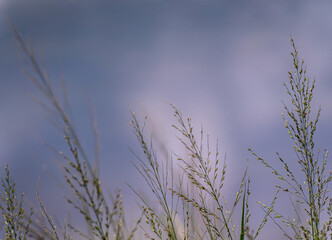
(312, 195)
(16, 221)
(187, 200)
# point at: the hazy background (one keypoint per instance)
(221, 62)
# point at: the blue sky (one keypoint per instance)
(221, 62)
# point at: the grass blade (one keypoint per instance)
(243, 214)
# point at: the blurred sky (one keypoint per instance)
(221, 62)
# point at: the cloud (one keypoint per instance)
(220, 62)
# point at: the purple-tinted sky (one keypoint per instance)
(221, 62)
